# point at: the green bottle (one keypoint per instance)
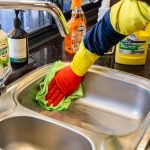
(18, 44)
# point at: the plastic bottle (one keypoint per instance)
(77, 26)
(147, 29)
(18, 44)
(133, 49)
(105, 6)
(4, 54)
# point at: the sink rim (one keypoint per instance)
(11, 108)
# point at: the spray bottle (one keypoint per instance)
(77, 26)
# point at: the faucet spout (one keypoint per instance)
(39, 5)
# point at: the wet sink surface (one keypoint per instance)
(112, 104)
(21, 132)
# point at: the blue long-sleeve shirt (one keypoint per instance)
(101, 37)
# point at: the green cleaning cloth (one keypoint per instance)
(64, 103)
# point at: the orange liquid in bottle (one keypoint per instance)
(77, 26)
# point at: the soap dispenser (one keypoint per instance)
(18, 44)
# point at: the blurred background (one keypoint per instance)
(33, 20)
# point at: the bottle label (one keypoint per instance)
(77, 36)
(17, 49)
(131, 45)
(4, 57)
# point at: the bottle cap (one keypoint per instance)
(76, 4)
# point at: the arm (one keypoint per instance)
(124, 18)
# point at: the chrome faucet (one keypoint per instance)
(39, 5)
(35, 5)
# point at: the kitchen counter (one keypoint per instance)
(53, 50)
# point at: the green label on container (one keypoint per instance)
(128, 46)
(4, 58)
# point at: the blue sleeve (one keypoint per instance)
(101, 37)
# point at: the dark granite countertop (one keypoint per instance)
(53, 51)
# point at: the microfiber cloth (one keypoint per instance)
(64, 103)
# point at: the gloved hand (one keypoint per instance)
(68, 79)
(64, 84)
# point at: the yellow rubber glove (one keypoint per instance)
(128, 16)
(82, 60)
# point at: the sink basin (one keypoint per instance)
(114, 103)
(28, 133)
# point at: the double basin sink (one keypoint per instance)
(114, 114)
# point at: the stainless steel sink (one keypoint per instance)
(114, 103)
(28, 133)
(114, 111)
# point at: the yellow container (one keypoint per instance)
(133, 49)
(147, 29)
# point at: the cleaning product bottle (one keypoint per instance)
(147, 29)
(77, 26)
(4, 54)
(18, 44)
(105, 6)
(133, 49)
